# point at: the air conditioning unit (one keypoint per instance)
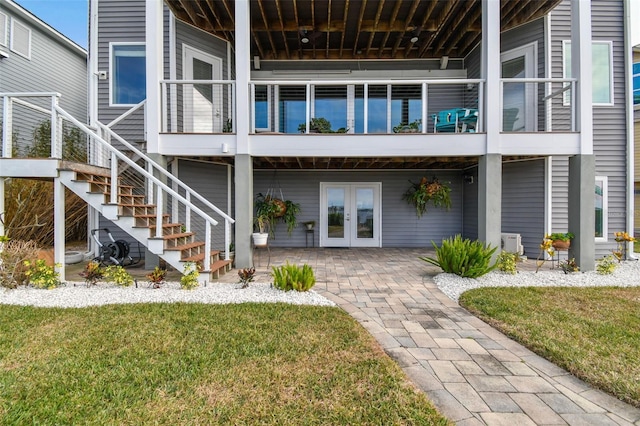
(512, 243)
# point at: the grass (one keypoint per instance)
(199, 364)
(594, 333)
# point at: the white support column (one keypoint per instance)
(491, 68)
(243, 73)
(7, 127)
(155, 71)
(243, 160)
(59, 226)
(2, 211)
(581, 68)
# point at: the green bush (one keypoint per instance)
(41, 275)
(189, 279)
(606, 265)
(14, 254)
(118, 275)
(466, 258)
(506, 262)
(293, 277)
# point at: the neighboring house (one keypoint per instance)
(514, 111)
(636, 134)
(34, 57)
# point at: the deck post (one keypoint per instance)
(59, 227)
(582, 217)
(244, 209)
(490, 200)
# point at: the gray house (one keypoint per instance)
(520, 108)
(34, 57)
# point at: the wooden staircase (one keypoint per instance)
(134, 216)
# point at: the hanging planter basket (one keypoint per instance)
(279, 207)
(421, 193)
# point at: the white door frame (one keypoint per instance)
(188, 54)
(530, 53)
(351, 232)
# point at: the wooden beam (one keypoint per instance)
(376, 21)
(266, 23)
(441, 20)
(344, 25)
(361, 15)
(284, 35)
(392, 20)
(407, 21)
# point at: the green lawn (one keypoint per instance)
(592, 332)
(199, 364)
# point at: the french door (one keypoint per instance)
(350, 214)
(203, 103)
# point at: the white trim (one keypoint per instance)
(548, 195)
(173, 72)
(111, 72)
(3, 36)
(14, 23)
(92, 93)
(630, 184)
(605, 209)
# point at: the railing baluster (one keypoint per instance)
(159, 211)
(207, 246)
(7, 128)
(113, 186)
(187, 213)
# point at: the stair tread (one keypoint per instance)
(218, 264)
(186, 246)
(144, 216)
(199, 257)
(180, 235)
(137, 205)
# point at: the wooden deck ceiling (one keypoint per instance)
(357, 29)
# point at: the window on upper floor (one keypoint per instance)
(3, 29)
(636, 83)
(20, 39)
(602, 79)
(601, 203)
(127, 74)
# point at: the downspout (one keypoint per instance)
(548, 174)
(628, 83)
(93, 219)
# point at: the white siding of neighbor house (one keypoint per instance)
(609, 126)
(56, 64)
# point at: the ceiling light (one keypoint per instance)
(304, 39)
(413, 39)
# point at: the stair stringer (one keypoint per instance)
(128, 225)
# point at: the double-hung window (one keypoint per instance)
(127, 72)
(601, 206)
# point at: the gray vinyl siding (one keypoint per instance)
(609, 131)
(210, 181)
(400, 225)
(523, 193)
(119, 21)
(470, 205)
(54, 66)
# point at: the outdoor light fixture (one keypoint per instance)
(413, 39)
(305, 38)
(444, 61)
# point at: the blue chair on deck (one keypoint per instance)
(455, 120)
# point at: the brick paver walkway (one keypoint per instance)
(472, 373)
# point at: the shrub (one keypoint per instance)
(569, 266)
(118, 275)
(156, 277)
(606, 265)
(189, 279)
(13, 271)
(293, 277)
(466, 258)
(92, 273)
(507, 262)
(41, 275)
(246, 276)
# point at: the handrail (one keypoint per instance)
(298, 82)
(115, 153)
(164, 172)
(126, 114)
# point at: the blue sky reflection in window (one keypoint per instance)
(128, 74)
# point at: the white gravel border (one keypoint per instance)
(627, 274)
(78, 295)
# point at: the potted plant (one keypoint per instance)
(310, 224)
(413, 127)
(425, 191)
(320, 125)
(262, 222)
(560, 240)
(270, 210)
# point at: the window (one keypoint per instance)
(262, 109)
(602, 58)
(636, 83)
(20, 39)
(127, 72)
(601, 208)
(3, 29)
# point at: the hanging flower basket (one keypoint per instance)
(279, 207)
(421, 193)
